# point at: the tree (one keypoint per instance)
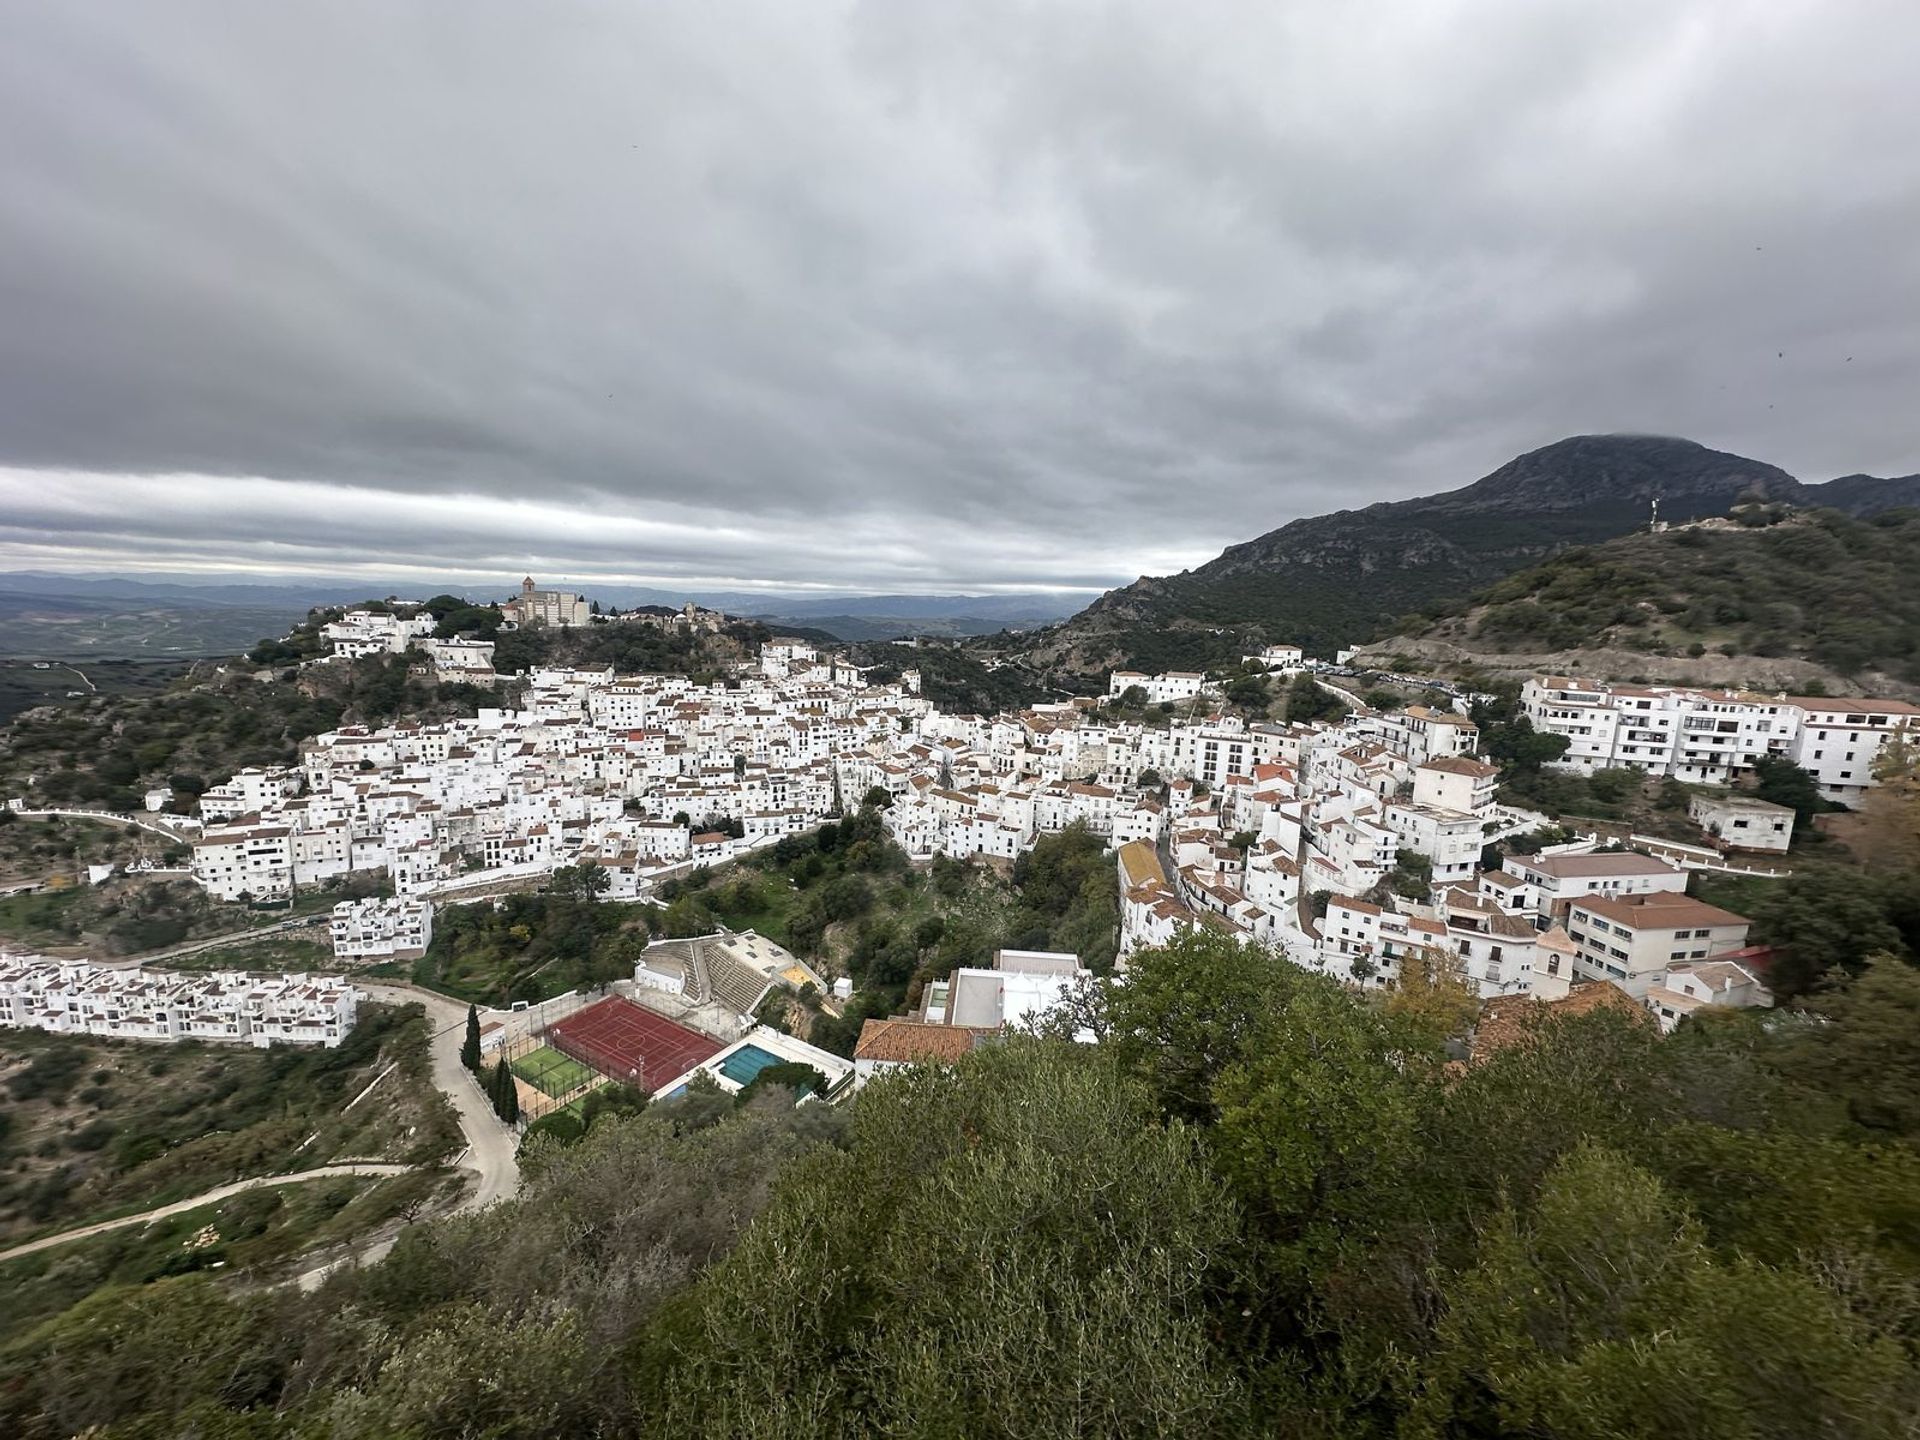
(1555, 1327)
(1890, 811)
(470, 1050)
(1189, 1010)
(1823, 923)
(1412, 875)
(1867, 1054)
(823, 1312)
(500, 1089)
(795, 1076)
(1779, 780)
(1432, 995)
(1308, 701)
(1318, 1111)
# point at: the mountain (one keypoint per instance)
(1867, 494)
(1772, 600)
(1342, 578)
(858, 626)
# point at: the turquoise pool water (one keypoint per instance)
(747, 1062)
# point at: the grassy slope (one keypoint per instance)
(98, 1128)
(258, 1230)
(1832, 590)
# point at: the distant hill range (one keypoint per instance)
(1346, 578)
(74, 616)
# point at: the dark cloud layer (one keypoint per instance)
(915, 296)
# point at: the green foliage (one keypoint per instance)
(837, 1315)
(1263, 1204)
(1825, 587)
(139, 1126)
(955, 679)
(1782, 782)
(1605, 1313)
(1308, 701)
(480, 622)
(1827, 922)
(795, 1077)
(537, 945)
(1412, 875)
(470, 1047)
(1069, 896)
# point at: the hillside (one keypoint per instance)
(1263, 1206)
(1814, 595)
(1336, 579)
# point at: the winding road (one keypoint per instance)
(492, 1148)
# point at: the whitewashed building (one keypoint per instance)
(381, 929)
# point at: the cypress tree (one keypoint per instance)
(470, 1052)
(509, 1098)
(500, 1087)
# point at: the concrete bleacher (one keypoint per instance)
(736, 984)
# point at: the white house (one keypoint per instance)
(1743, 822)
(1839, 740)
(1549, 883)
(1634, 941)
(1160, 689)
(1456, 782)
(1693, 985)
(1276, 657)
(70, 997)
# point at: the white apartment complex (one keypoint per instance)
(1159, 689)
(400, 928)
(1713, 736)
(69, 997)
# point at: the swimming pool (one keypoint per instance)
(747, 1062)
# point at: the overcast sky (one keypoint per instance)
(915, 296)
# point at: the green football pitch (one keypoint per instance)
(550, 1072)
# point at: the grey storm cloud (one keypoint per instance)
(905, 296)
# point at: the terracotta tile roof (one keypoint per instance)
(1663, 910)
(1580, 867)
(1509, 1020)
(910, 1042)
(1461, 765)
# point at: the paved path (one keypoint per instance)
(325, 1172)
(186, 835)
(492, 1154)
(212, 942)
(491, 1146)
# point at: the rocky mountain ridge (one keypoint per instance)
(1332, 580)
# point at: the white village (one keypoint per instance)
(1278, 835)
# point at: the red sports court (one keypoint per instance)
(625, 1042)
